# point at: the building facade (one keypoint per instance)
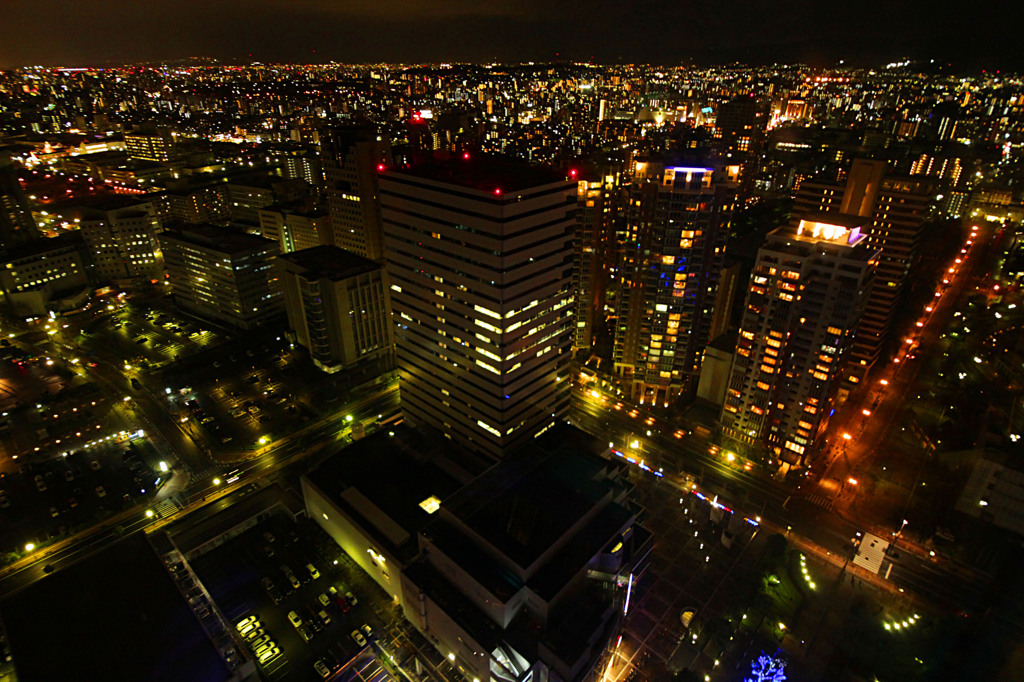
(676, 230)
(122, 243)
(806, 295)
(480, 258)
(352, 159)
(338, 306)
(223, 275)
(295, 230)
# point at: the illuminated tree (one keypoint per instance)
(767, 669)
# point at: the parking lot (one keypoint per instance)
(50, 498)
(265, 573)
(151, 337)
(239, 398)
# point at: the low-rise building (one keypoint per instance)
(521, 573)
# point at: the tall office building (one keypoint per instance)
(16, 223)
(295, 229)
(149, 145)
(677, 225)
(480, 257)
(596, 208)
(352, 158)
(223, 275)
(338, 306)
(805, 299)
(741, 126)
(121, 238)
(896, 207)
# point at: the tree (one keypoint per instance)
(767, 668)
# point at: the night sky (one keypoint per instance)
(971, 34)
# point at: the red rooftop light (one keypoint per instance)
(465, 155)
(497, 190)
(572, 172)
(380, 166)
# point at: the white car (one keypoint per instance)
(245, 621)
(269, 655)
(265, 647)
(294, 619)
(358, 638)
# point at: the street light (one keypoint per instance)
(29, 547)
(149, 513)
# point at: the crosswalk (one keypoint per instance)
(823, 501)
(207, 474)
(167, 507)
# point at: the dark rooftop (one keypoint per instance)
(390, 473)
(495, 174)
(329, 261)
(113, 616)
(526, 502)
(222, 239)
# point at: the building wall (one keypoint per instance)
(351, 161)
(714, 375)
(238, 289)
(340, 322)
(123, 244)
(481, 291)
(677, 228)
(803, 305)
(355, 541)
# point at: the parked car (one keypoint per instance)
(245, 621)
(294, 618)
(358, 638)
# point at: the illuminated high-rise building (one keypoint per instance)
(352, 158)
(806, 295)
(149, 145)
(121, 238)
(596, 208)
(480, 258)
(222, 274)
(676, 229)
(895, 208)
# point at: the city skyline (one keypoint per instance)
(521, 372)
(416, 31)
